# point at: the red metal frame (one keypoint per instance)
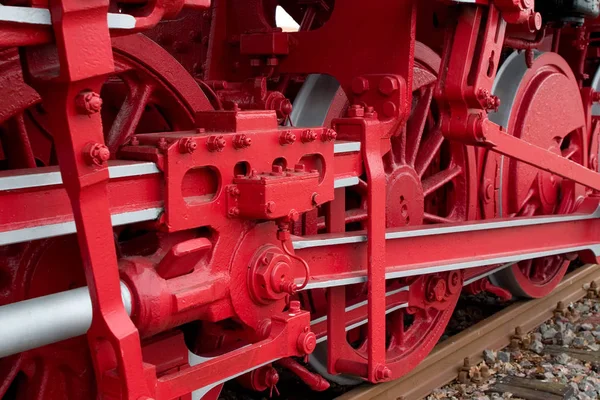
(231, 192)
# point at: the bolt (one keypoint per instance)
(360, 85)
(276, 170)
(234, 212)
(293, 215)
(163, 144)
(241, 141)
(455, 279)
(307, 341)
(488, 101)
(308, 136)
(234, 191)
(485, 371)
(215, 143)
(489, 192)
(270, 207)
(187, 145)
(287, 137)
(370, 112)
(96, 153)
(390, 109)
(294, 307)
(525, 4)
(299, 168)
(255, 62)
(271, 377)
(315, 199)
(534, 23)
(436, 290)
(382, 373)
(329, 135)
(134, 141)
(264, 328)
(388, 85)
(356, 111)
(288, 287)
(88, 102)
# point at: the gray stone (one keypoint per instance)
(549, 334)
(489, 356)
(586, 327)
(503, 356)
(565, 337)
(562, 359)
(526, 364)
(585, 386)
(579, 342)
(589, 338)
(536, 346)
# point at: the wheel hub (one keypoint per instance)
(531, 111)
(405, 203)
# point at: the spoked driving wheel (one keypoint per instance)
(148, 92)
(531, 111)
(429, 180)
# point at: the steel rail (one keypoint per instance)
(443, 364)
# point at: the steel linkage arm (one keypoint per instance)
(31, 26)
(78, 139)
(466, 100)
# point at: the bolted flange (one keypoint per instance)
(270, 275)
(436, 289)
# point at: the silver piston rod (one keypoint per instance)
(37, 322)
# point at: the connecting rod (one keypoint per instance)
(37, 322)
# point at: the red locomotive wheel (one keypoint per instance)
(541, 105)
(150, 91)
(430, 180)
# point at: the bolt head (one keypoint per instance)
(96, 154)
(215, 143)
(535, 22)
(390, 109)
(287, 137)
(360, 85)
(88, 102)
(356, 111)
(388, 85)
(307, 341)
(382, 373)
(187, 146)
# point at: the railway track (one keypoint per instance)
(496, 332)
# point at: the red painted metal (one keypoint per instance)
(242, 193)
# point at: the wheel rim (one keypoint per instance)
(429, 180)
(523, 190)
(149, 92)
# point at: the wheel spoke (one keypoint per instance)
(525, 267)
(129, 115)
(399, 148)
(16, 143)
(9, 368)
(38, 385)
(428, 150)
(435, 182)
(416, 125)
(396, 326)
(570, 151)
(436, 219)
